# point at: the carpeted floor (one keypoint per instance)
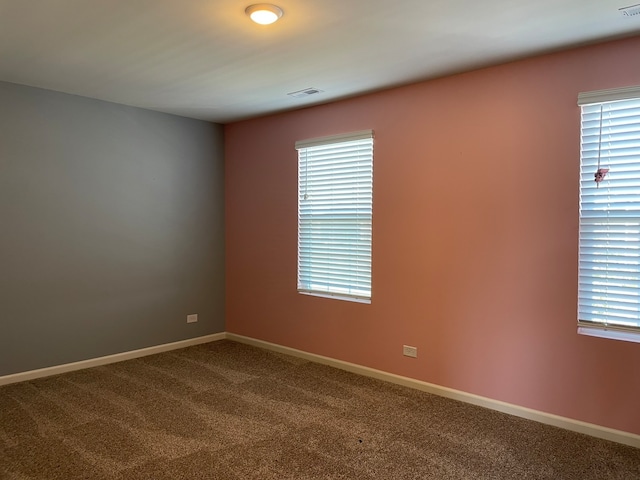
(229, 411)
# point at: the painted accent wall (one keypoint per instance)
(111, 228)
(475, 236)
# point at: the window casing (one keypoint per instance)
(609, 234)
(335, 193)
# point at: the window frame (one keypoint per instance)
(593, 247)
(335, 223)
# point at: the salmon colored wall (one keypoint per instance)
(475, 230)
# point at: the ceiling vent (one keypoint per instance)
(632, 11)
(304, 93)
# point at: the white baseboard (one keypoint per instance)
(118, 357)
(593, 430)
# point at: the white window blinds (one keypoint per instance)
(609, 259)
(335, 183)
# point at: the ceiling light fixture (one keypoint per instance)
(264, 13)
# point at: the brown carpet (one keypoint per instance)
(229, 411)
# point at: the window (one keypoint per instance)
(335, 180)
(609, 258)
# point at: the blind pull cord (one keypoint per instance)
(600, 172)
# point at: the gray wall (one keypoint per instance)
(111, 228)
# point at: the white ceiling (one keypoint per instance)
(205, 59)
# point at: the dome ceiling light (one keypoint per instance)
(264, 13)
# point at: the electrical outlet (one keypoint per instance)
(408, 351)
(193, 318)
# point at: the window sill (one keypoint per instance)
(610, 334)
(337, 297)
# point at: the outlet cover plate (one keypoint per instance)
(193, 318)
(408, 351)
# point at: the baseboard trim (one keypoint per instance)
(593, 430)
(118, 357)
